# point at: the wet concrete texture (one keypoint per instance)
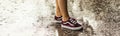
(35, 18)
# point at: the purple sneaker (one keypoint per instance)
(71, 24)
(58, 18)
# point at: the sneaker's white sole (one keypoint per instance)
(75, 28)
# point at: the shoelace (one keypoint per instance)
(73, 21)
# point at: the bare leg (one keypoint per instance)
(66, 22)
(58, 14)
(63, 9)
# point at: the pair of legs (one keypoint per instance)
(61, 9)
(67, 22)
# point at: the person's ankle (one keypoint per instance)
(65, 18)
(58, 16)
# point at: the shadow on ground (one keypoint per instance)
(86, 31)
